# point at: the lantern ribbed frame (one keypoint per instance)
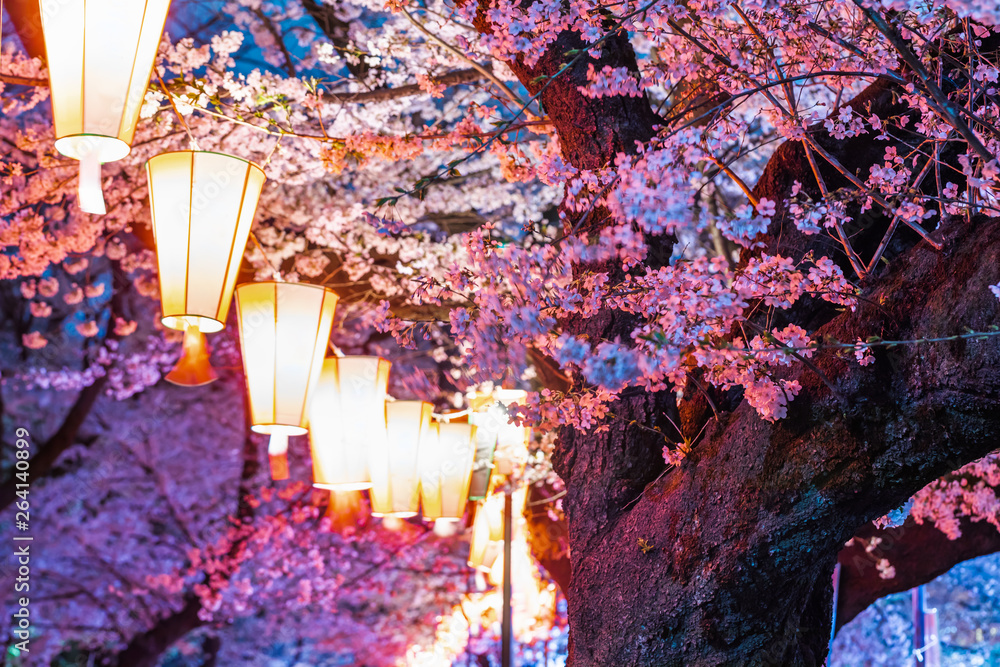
(394, 461)
(100, 55)
(446, 471)
(346, 415)
(284, 333)
(202, 206)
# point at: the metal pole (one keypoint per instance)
(932, 656)
(507, 634)
(836, 601)
(917, 598)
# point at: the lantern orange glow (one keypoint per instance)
(100, 54)
(395, 476)
(193, 368)
(277, 456)
(345, 509)
(202, 207)
(284, 333)
(446, 470)
(346, 419)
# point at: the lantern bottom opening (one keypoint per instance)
(199, 322)
(443, 518)
(103, 148)
(278, 429)
(394, 515)
(353, 486)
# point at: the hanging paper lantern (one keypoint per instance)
(284, 333)
(346, 419)
(489, 414)
(487, 534)
(100, 54)
(446, 470)
(202, 207)
(395, 476)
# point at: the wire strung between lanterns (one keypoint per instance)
(275, 273)
(170, 98)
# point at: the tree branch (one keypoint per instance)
(918, 552)
(145, 649)
(454, 78)
(41, 463)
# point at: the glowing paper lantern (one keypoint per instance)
(346, 418)
(202, 207)
(100, 54)
(394, 461)
(489, 414)
(284, 333)
(487, 534)
(446, 470)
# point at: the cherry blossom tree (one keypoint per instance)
(743, 252)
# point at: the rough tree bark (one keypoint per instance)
(919, 553)
(746, 532)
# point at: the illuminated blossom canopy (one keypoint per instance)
(742, 254)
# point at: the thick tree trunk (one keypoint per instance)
(918, 553)
(728, 558)
(745, 534)
(145, 649)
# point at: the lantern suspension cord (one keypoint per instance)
(274, 271)
(170, 98)
(267, 160)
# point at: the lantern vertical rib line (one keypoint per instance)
(274, 374)
(187, 260)
(83, 73)
(152, 66)
(312, 362)
(232, 244)
(243, 358)
(131, 76)
(149, 182)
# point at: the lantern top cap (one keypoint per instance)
(234, 157)
(509, 394)
(281, 282)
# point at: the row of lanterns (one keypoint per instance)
(100, 57)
